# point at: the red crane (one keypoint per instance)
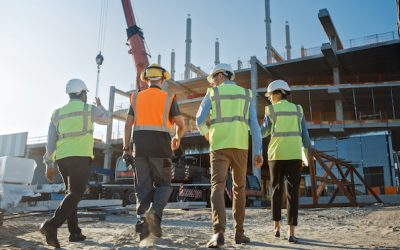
(136, 43)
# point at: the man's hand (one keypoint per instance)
(97, 101)
(50, 174)
(258, 161)
(175, 143)
(128, 159)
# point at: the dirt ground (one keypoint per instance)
(370, 227)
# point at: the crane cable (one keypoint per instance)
(101, 40)
(102, 25)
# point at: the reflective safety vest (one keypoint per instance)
(286, 140)
(74, 127)
(230, 106)
(151, 109)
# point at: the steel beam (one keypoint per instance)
(329, 27)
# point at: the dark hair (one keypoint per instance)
(284, 96)
(228, 74)
(76, 95)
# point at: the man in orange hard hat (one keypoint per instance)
(152, 113)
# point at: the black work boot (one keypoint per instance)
(51, 234)
(154, 223)
(142, 228)
(75, 237)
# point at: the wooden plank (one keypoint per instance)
(322, 185)
(368, 187)
(312, 177)
(338, 183)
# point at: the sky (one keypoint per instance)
(44, 43)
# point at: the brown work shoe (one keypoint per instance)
(51, 234)
(154, 223)
(77, 237)
(216, 241)
(242, 239)
(142, 229)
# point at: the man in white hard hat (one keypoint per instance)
(286, 124)
(232, 112)
(70, 147)
(151, 115)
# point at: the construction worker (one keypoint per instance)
(232, 111)
(286, 124)
(152, 113)
(70, 146)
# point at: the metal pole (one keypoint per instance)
(355, 105)
(97, 81)
(288, 46)
(268, 31)
(188, 46)
(254, 86)
(391, 95)
(373, 100)
(239, 64)
(159, 59)
(173, 65)
(108, 150)
(309, 101)
(216, 52)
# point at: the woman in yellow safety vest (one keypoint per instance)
(285, 123)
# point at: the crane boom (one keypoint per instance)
(136, 43)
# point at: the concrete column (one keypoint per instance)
(108, 150)
(336, 81)
(188, 46)
(254, 86)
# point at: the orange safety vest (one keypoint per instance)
(151, 109)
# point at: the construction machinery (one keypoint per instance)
(136, 43)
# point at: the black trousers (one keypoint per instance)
(75, 172)
(288, 171)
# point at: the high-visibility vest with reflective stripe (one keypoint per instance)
(151, 109)
(230, 105)
(286, 142)
(74, 127)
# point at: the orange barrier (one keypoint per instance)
(391, 190)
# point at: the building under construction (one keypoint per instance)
(350, 96)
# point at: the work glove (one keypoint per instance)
(129, 160)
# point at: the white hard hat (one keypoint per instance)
(222, 67)
(277, 85)
(75, 86)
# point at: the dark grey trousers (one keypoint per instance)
(152, 184)
(75, 172)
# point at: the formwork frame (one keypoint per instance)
(344, 181)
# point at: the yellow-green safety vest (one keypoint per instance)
(286, 141)
(74, 127)
(229, 116)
